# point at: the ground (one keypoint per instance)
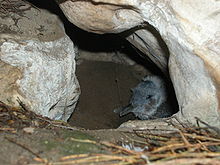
(105, 86)
(47, 142)
(52, 144)
(89, 137)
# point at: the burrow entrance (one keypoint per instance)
(107, 69)
(105, 80)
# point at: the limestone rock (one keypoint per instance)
(37, 61)
(100, 16)
(189, 29)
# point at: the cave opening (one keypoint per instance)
(107, 68)
(106, 79)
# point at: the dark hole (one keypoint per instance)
(105, 86)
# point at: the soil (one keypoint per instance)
(21, 148)
(105, 86)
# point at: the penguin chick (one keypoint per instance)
(148, 100)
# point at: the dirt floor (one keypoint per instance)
(27, 138)
(22, 147)
(105, 86)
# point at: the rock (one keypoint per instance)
(150, 43)
(29, 130)
(159, 126)
(100, 16)
(181, 37)
(37, 62)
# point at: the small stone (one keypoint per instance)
(28, 130)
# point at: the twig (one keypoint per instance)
(24, 147)
(7, 129)
(187, 143)
(22, 105)
(151, 136)
(184, 139)
(74, 156)
(108, 144)
(57, 125)
(83, 141)
(133, 140)
(183, 155)
(217, 130)
(201, 137)
(182, 146)
(203, 146)
(187, 161)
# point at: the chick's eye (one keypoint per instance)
(148, 97)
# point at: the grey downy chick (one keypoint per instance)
(148, 100)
